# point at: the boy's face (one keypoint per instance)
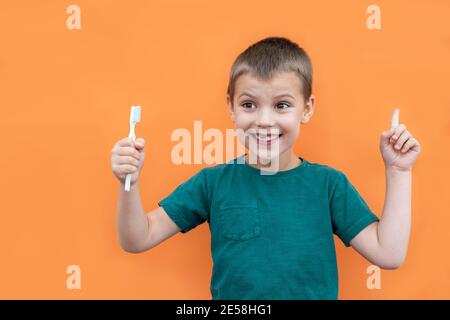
(274, 104)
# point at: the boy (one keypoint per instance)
(272, 234)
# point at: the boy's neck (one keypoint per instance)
(288, 160)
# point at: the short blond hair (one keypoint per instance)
(269, 56)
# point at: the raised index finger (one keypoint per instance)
(395, 118)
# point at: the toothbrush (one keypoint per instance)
(135, 117)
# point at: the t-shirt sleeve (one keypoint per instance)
(350, 214)
(188, 205)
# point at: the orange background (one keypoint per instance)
(65, 97)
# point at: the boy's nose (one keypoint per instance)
(264, 119)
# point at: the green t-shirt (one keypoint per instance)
(271, 235)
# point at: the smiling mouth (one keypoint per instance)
(266, 139)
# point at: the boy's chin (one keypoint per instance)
(263, 156)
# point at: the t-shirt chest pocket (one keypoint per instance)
(238, 220)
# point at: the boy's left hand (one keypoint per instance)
(398, 147)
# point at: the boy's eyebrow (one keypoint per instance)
(246, 94)
(277, 96)
(285, 95)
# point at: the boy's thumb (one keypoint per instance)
(139, 143)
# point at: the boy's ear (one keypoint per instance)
(230, 108)
(309, 109)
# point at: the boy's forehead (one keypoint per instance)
(282, 82)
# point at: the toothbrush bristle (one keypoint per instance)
(135, 115)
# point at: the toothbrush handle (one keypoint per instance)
(128, 177)
(127, 182)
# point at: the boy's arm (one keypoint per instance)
(385, 243)
(139, 231)
(132, 224)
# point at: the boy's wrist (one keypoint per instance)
(133, 186)
(394, 169)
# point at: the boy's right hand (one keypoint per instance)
(128, 157)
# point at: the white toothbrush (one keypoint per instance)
(135, 117)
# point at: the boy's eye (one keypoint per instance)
(283, 104)
(247, 105)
